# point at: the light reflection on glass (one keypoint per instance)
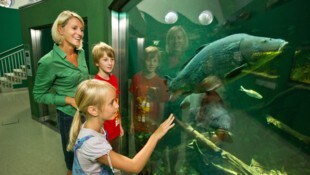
(171, 17)
(205, 17)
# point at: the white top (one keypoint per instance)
(92, 149)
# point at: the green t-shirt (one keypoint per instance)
(57, 78)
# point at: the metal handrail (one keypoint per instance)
(7, 51)
(12, 61)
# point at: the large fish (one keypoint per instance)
(222, 60)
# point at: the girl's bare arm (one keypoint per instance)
(136, 164)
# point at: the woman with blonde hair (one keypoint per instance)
(176, 47)
(60, 71)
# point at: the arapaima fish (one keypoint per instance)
(223, 59)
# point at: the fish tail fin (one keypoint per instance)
(241, 88)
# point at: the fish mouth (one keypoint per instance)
(175, 95)
(283, 45)
(269, 55)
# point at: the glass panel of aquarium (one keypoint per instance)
(236, 75)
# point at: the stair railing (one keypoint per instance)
(12, 59)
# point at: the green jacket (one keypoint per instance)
(57, 78)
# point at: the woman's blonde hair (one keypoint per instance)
(62, 21)
(101, 48)
(88, 93)
(173, 31)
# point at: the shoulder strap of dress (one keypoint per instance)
(80, 141)
(110, 163)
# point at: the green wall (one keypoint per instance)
(96, 13)
(10, 30)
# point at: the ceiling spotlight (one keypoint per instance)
(205, 17)
(171, 17)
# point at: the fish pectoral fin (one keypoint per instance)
(235, 71)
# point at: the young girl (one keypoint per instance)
(92, 152)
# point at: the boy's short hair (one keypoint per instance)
(151, 52)
(101, 48)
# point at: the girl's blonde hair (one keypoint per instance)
(62, 21)
(88, 93)
(101, 48)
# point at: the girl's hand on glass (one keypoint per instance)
(164, 127)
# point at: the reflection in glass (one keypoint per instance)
(259, 127)
(205, 17)
(171, 17)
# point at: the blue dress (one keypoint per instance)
(77, 170)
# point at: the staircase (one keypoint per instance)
(13, 74)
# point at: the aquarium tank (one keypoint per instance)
(235, 73)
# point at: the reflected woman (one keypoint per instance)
(173, 60)
(176, 46)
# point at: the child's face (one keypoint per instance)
(110, 107)
(106, 63)
(151, 64)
